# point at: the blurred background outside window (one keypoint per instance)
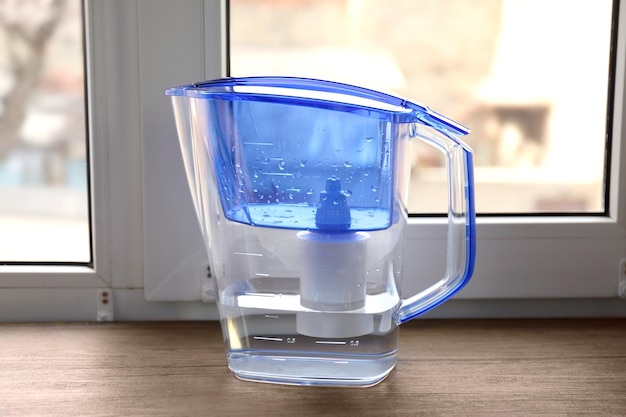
(43, 163)
(528, 77)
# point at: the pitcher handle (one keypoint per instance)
(461, 251)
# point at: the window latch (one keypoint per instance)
(105, 305)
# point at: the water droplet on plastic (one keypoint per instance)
(369, 139)
(377, 269)
(303, 163)
(336, 202)
(265, 161)
(347, 164)
(377, 200)
(281, 165)
(310, 191)
(374, 188)
(347, 193)
(255, 190)
(291, 196)
(256, 174)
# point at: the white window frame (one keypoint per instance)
(147, 249)
(116, 87)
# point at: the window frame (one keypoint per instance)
(592, 244)
(70, 292)
(98, 274)
(579, 255)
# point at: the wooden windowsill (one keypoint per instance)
(445, 367)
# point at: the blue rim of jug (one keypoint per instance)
(224, 88)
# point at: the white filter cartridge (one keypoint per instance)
(332, 284)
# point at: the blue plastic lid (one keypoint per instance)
(318, 93)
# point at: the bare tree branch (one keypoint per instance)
(29, 26)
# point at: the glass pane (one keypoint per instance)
(44, 214)
(529, 77)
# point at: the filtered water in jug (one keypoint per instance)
(300, 189)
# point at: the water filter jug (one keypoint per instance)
(300, 188)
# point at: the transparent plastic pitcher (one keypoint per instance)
(300, 187)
